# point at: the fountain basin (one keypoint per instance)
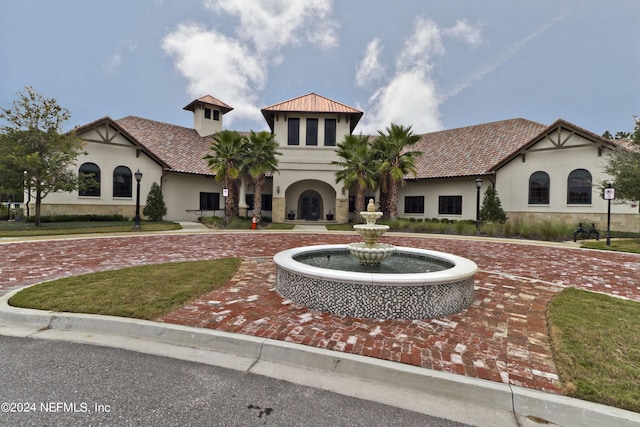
(371, 294)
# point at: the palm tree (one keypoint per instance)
(357, 171)
(260, 159)
(227, 151)
(396, 160)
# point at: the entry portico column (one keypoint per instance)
(242, 196)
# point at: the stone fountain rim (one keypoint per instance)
(462, 268)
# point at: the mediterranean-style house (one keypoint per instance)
(539, 171)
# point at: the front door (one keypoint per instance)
(310, 205)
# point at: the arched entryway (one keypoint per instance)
(310, 205)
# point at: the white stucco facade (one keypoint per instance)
(306, 186)
(558, 155)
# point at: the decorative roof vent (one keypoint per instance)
(207, 114)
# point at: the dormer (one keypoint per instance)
(207, 114)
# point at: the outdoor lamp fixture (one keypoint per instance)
(278, 189)
(138, 175)
(478, 186)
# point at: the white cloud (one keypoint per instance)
(409, 99)
(271, 24)
(411, 96)
(421, 47)
(111, 63)
(465, 32)
(217, 65)
(370, 68)
(234, 69)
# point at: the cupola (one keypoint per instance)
(207, 114)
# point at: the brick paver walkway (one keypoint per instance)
(501, 337)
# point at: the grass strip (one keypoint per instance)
(621, 245)
(17, 229)
(148, 292)
(596, 347)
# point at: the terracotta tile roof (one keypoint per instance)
(208, 99)
(557, 125)
(312, 103)
(180, 148)
(472, 150)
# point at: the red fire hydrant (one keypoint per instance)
(254, 223)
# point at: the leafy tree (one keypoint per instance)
(395, 161)
(226, 161)
(32, 142)
(358, 169)
(624, 167)
(155, 207)
(491, 210)
(259, 159)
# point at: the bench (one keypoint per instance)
(588, 233)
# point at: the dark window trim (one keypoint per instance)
(450, 205)
(95, 191)
(539, 188)
(414, 204)
(122, 189)
(579, 187)
(312, 132)
(209, 201)
(293, 131)
(330, 130)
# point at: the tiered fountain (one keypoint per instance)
(375, 280)
(370, 252)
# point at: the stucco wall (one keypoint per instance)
(512, 181)
(119, 152)
(432, 189)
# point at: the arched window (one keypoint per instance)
(89, 180)
(539, 188)
(122, 182)
(579, 187)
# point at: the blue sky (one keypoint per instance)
(427, 63)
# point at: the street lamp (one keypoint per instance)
(478, 185)
(27, 182)
(136, 225)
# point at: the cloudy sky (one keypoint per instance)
(431, 64)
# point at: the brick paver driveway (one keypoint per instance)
(501, 337)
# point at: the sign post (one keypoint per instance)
(609, 195)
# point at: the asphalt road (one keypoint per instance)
(59, 383)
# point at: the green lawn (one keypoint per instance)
(147, 292)
(621, 245)
(596, 347)
(28, 229)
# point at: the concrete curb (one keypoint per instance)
(455, 397)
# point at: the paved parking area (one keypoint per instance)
(501, 337)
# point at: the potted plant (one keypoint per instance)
(291, 215)
(330, 216)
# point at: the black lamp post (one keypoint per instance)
(138, 175)
(478, 185)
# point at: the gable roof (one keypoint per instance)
(210, 100)
(119, 130)
(179, 147)
(558, 125)
(311, 103)
(471, 150)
